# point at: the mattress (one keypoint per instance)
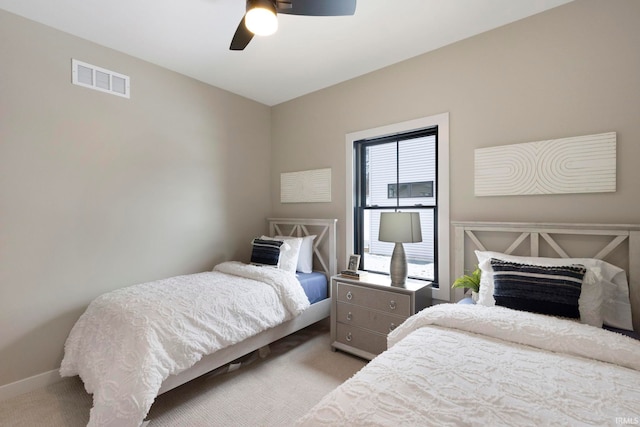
(314, 285)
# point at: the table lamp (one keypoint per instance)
(399, 228)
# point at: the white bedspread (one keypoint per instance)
(130, 340)
(490, 366)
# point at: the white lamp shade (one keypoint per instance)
(400, 227)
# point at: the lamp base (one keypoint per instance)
(398, 267)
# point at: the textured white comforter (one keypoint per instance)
(130, 340)
(490, 366)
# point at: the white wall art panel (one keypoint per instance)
(582, 164)
(306, 186)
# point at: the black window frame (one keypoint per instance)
(360, 206)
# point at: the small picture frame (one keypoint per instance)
(354, 262)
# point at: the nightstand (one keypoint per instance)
(365, 310)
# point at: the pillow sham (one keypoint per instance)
(266, 252)
(617, 309)
(305, 258)
(288, 254)
(604, 298)
(538, 289)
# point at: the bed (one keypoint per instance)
(137, 342)
(490, 363)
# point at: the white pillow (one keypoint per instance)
(288, 252)
(305, 258)
(605, 292)
(617, 309)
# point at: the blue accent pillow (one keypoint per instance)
(553, 290)
(266, 252)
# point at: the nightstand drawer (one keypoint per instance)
(390, 302)
(361, 338)
(356, 315)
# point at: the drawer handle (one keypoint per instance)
(392, 305)
(349, 337)
(392, 327)
(349, 316)
(349, 295)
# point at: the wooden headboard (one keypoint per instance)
(618, 244)
(324, 245)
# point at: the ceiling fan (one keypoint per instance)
(261, 19)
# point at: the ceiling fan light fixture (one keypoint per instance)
(261, 17)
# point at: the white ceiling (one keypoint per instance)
(306, 54)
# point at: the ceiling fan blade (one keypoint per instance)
(316, 7)
(241, 38)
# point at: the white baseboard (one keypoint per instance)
(29, 384)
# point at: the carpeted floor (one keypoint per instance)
(271, 391)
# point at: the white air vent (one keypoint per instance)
(87, 75)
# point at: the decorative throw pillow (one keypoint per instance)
(539, 289)
(605, 290)
(266, 252)
(288, 252)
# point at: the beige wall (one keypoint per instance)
(573, 70)
(99, 192)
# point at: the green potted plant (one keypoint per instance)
(469, 281)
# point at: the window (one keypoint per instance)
(440, 186)
(410, 190)
(392, 173)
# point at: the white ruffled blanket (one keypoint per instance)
(544, 332)
(130, 340)
(472, 365)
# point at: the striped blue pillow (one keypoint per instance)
(553, 290)
(266, 252)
